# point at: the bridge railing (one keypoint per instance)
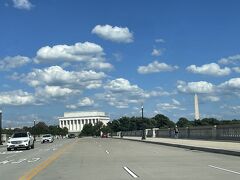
(220, 132)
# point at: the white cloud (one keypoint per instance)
(121, 85)
(157, 52)
(16, 98)
(84, 102)
(155, 93)
(209, 69)
(211, 98)
(159, 40)
(22, 4)
(100, 65)
(231, 84)
(9, 62)
(78, 52)
(236, 69)
(116, 34)
(155, 67)
(169, 106)
(195, 87)
(230, 60)
(54, 92)
(120, 93)
(56, 76)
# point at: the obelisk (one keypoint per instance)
(197, 115)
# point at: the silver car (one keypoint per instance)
(47, 138)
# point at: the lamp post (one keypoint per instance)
(0, 127)
(143, 131)
(34, 130)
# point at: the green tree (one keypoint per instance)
(41, 128)
(87, 130)
(163, 121)
(183, 122)
(97, 128)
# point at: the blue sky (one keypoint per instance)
(69, 55)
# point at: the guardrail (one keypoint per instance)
(220, 132)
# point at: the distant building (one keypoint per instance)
(75, 121)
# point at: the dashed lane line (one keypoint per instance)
(223, 169)
(131, 173)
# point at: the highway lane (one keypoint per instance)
(107, 159)
(13, 164)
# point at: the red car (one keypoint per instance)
(104, 136)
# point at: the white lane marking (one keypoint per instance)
(107, 151)
(19, 161)
(130, 172)
(5, 162)
(231, 171)
(11, 152)
(10, 156)
(33, 160)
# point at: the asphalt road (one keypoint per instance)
(13, 164)
(108, 159)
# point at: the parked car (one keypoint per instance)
(20, 140)
(104, 135)
(71, 136)
(47, 138)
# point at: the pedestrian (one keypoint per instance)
(176, 131)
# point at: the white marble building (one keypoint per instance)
(75, 121)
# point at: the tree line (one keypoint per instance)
(40, 128)
(123, 124)
(162, 121)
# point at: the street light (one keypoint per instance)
(34, 130)
(0, 127)
(143, 131)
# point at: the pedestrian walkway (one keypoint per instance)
(223, 147)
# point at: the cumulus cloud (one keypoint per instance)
(157, 52)
(22, 4)
(9, 62)
(195, 87)
(230, 59)
(56, 76)
(84, 102)
(212, 69)
(78, 52)
(54, 92)
(120, 93)
(232, 84)
(115, 34)
(16, 98)
(156, 67)
(100, 65)
(121, 85)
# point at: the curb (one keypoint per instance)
(211, 150)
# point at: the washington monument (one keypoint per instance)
(197, 115)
